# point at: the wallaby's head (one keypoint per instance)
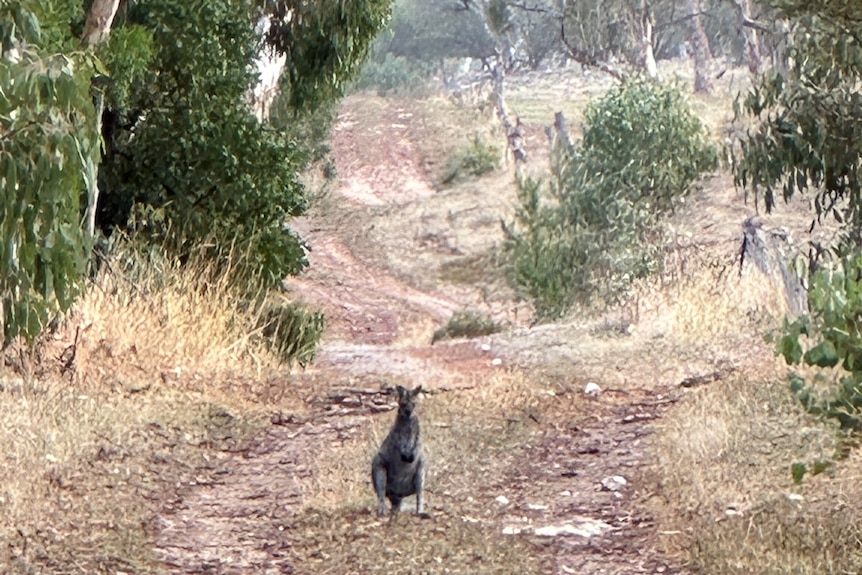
(407, 400)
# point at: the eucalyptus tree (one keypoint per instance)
(153, 129)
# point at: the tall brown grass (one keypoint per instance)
(104, 417)
(725, 495)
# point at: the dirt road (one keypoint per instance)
(527, 473)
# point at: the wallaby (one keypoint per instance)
(398, 469)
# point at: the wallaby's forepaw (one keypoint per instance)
(381, 510)
(424, 515)
(408, 458)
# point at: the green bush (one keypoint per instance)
(643, 140)
(467, 324)
(182, 147)
(474, 160)
(593, 229)
(832, 337)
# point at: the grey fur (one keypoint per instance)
(398, 469)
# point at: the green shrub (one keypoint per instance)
(643, 140)
(832, 338)
(466, 324)
(476, 159)
(593, 229)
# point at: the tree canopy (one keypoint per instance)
(181, 160)
(808, 116)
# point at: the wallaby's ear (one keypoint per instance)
(417, 390)
(401, 391)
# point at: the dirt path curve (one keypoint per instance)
(559, 496)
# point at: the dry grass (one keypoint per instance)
(147, 316)
(725, 495)
(347, 542)
(85, 473)
(729, 501)
(118, 411)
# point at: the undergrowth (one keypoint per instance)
(593, 230)
(474, 160)
(108, 417)
(733, 499)
(467, 324)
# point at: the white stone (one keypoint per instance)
(584, 528)
(592, 389)
(502, 500)
(614, 482)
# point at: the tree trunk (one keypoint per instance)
(647, 53)
(99, 21)
(514, 136)
(499, 67)
(96, 30)
(699, 45)
(752, 44)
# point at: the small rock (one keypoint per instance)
(536, 507)
(614, 483)
(502, 500)
(586, 528)
(486, 347)
(592, 389)
(794, 497)
(496, 361)
(566, 493)
(511, 530)
(351, 401)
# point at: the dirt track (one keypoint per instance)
(243, 514)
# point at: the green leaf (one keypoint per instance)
(797, 471)
(791, 349)
(822, 355)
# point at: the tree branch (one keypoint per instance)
(535, 9)
(749, 23)
(586, 59)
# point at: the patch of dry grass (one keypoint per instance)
(727, 498)
(349, 542)
(146, 315)
(84, 473)
(120, 410)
